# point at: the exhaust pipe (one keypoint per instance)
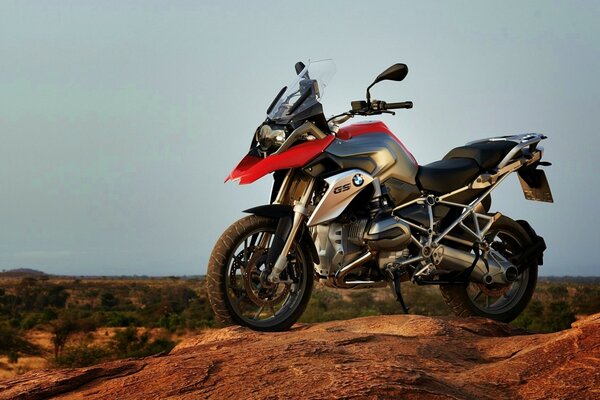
(511, 274)
(500, 271)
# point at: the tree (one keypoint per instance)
(108, 300)
(66, 325)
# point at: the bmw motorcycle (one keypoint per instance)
(351, 207)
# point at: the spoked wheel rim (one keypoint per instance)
(496, 298)
(255, 301)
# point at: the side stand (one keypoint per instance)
(398, 292)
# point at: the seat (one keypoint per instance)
(447, 175)
(486, 154)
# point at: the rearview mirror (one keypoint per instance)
(396, 72)
(299, 67)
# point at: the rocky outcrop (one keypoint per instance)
(401, 356)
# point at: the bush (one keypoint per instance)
(13, 357)
(559, 316)
(12, 343)
(108, 300)
(546, 317)
(199, 314)
(49, 315)
(30, 321)
(121, 319)
(127, 343)
(82, 356)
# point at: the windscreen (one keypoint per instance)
(304, 92)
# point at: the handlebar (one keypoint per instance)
(377, 107)
(402, 104)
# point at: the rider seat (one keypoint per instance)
(461, 165)
(446, 175)
(486, 154)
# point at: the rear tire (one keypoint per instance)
(467, 300)
(235, 290)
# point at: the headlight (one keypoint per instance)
(268, 137)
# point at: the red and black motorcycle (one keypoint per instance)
(350, 206)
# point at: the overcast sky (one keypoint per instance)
(120, 120)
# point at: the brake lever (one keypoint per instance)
(341, 118)
(378, 112)
(369, 112)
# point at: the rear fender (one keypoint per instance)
(285, 214)
(538, 243)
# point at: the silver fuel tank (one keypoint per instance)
(375, 151)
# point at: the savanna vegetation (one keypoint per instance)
(555, 305)
(79, 322)
(69, 322)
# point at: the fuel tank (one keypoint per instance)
(371, 147)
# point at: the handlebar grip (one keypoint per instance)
(402, 104)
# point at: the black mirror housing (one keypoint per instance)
(299, 67)
(396, 72)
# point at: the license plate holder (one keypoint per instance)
(541, 192)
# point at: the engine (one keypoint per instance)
(339, 243)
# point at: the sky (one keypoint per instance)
(120, 120)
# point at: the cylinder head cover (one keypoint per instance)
(388, 233)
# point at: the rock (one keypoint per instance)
(400, 356)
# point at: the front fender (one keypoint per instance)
(251, 168)
(286, 211)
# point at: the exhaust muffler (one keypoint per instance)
(500, 270)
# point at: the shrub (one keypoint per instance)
(127, 343)
(546, 317)
(82, 356)
(12, 343)
(108, 300)
(30, 321)
(121, 319)
(48, 315)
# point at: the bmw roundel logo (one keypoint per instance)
(358, 180)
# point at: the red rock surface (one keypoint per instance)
(402, 356)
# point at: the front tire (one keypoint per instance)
(237, 290)
(501, 303)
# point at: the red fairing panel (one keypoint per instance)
(252, 168)
(349, 131)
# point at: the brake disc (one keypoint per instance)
(259, 294)
(238, 264)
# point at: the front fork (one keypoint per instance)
(300, 213)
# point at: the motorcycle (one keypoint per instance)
(352, 208)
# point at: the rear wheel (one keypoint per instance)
(499, 302)
(237, 287)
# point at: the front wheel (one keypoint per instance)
(237, 288)
(499, 302)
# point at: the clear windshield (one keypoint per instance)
(304, 92)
